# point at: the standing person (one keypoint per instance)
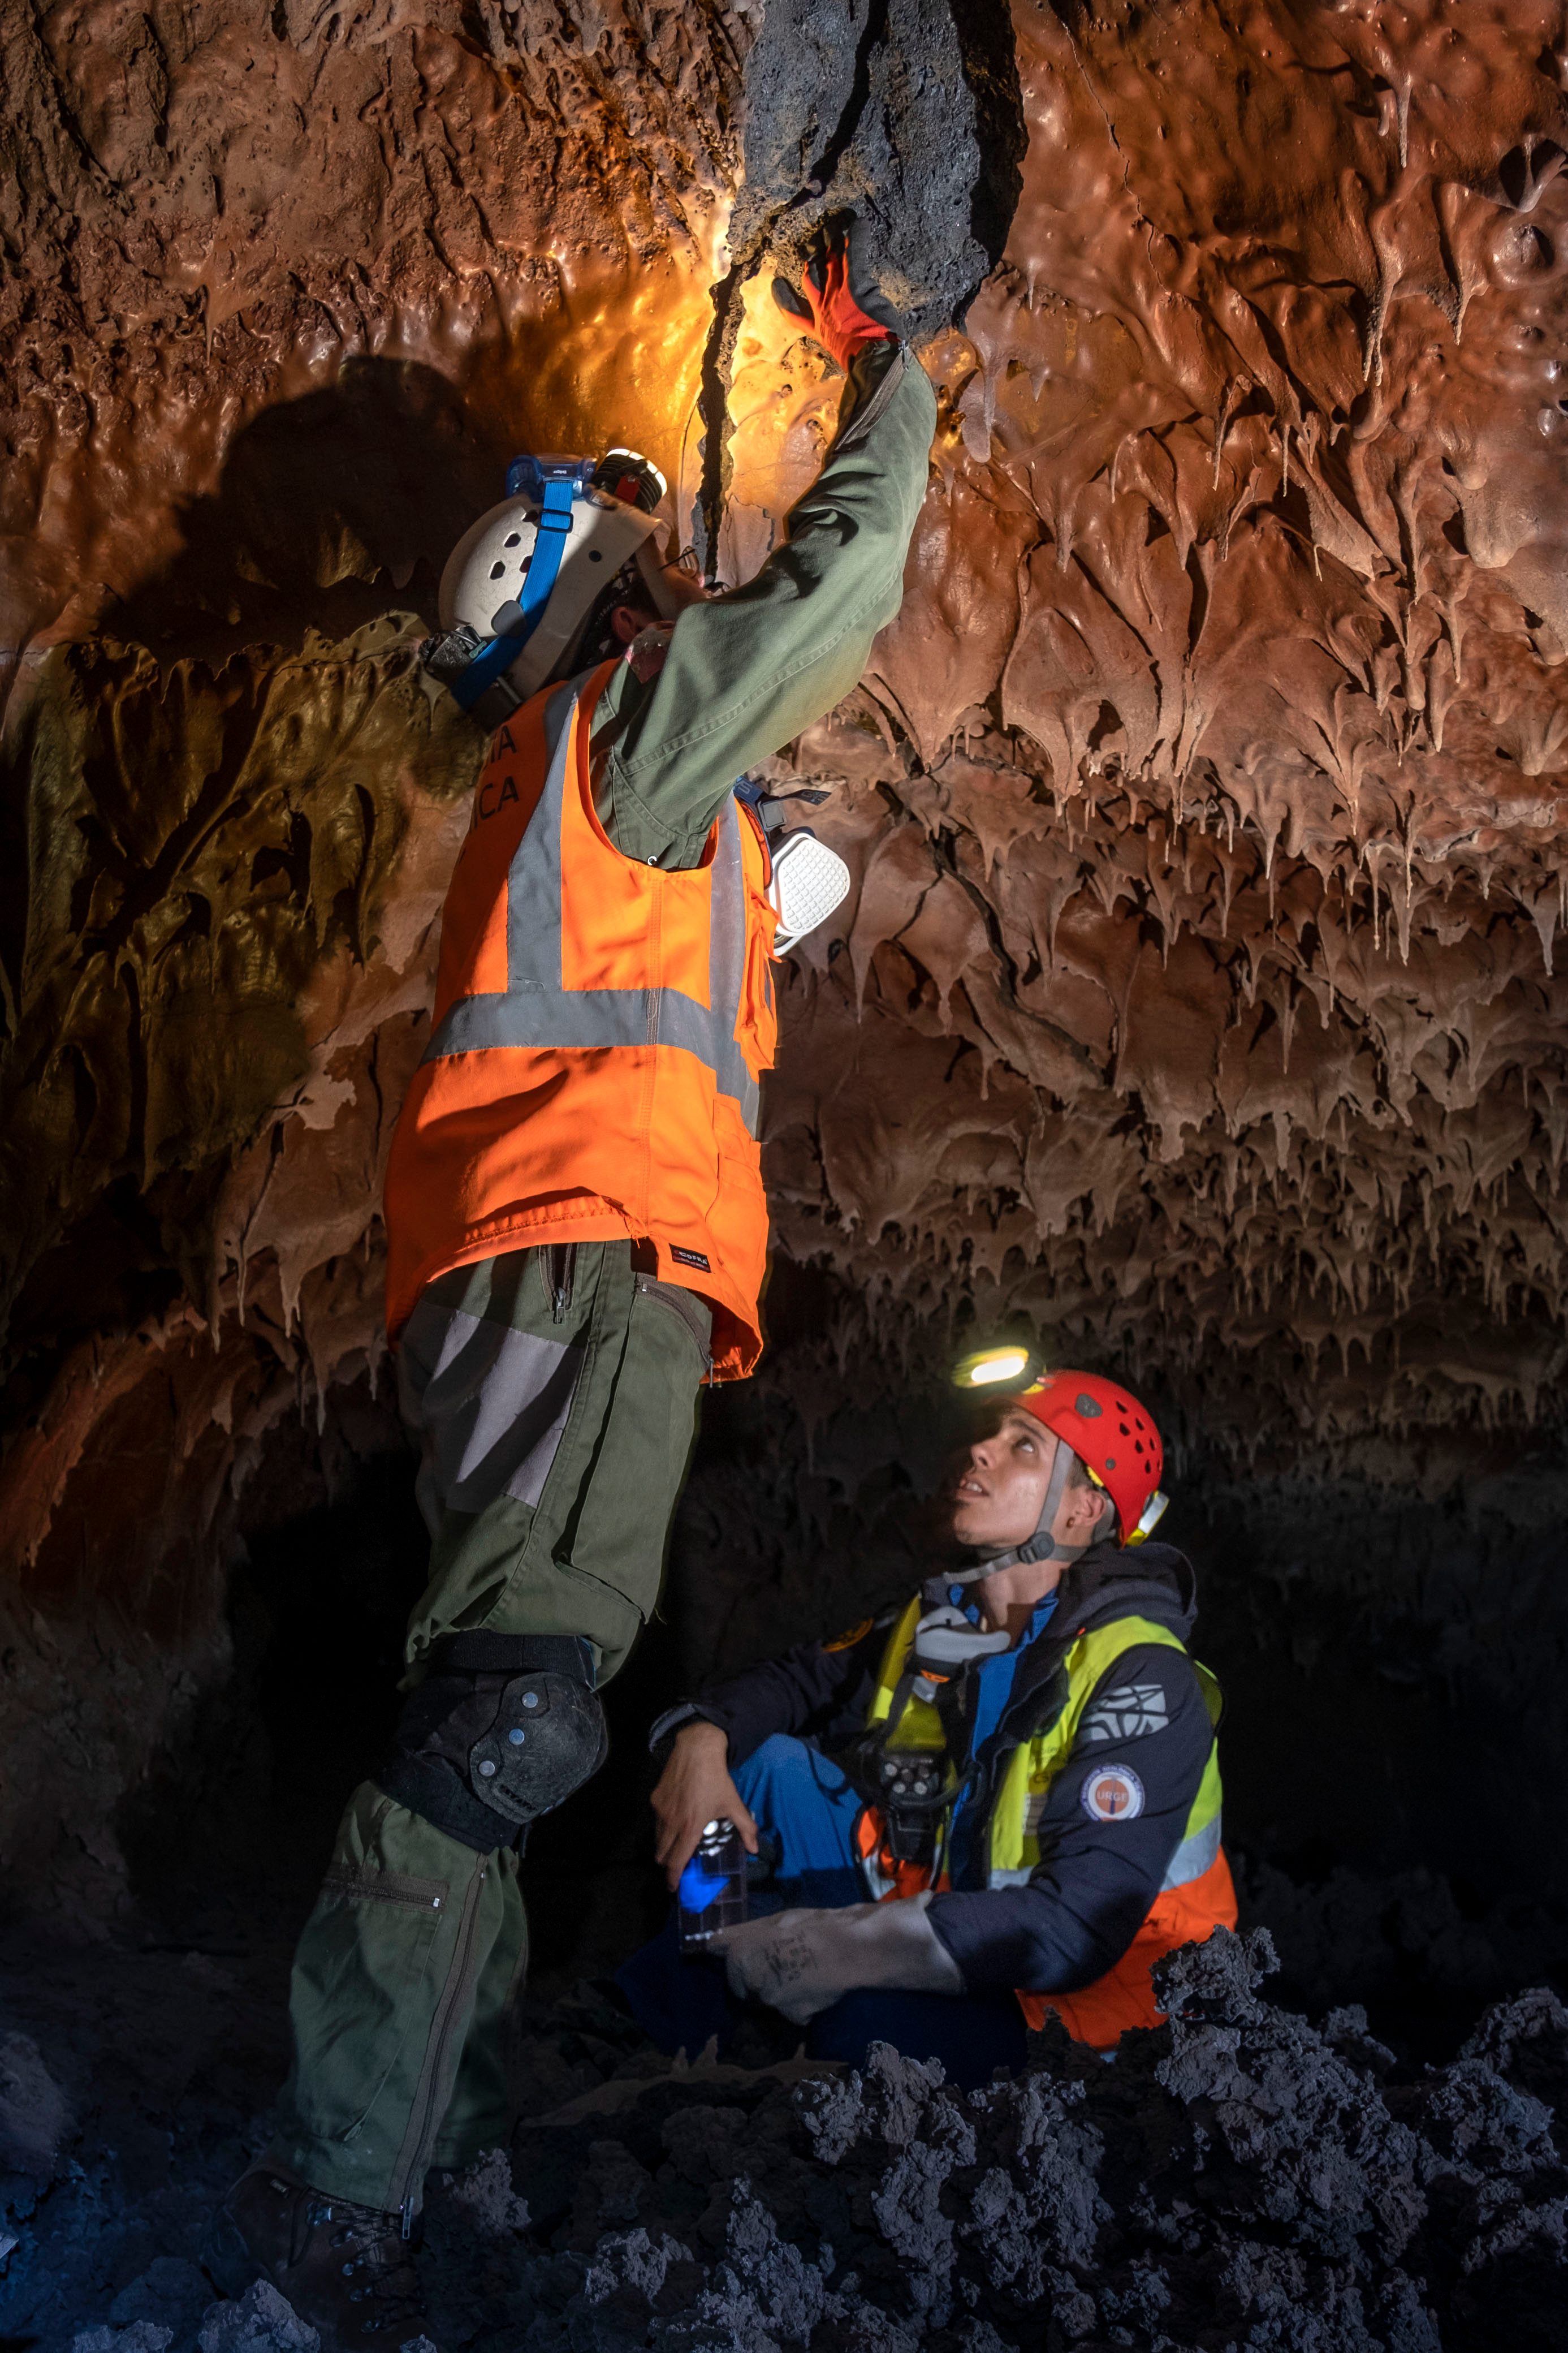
(577, 1236)
(1019, 1769)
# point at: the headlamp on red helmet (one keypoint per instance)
(1001, 1369)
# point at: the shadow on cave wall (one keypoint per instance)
(331, 508)
(1394, 1740)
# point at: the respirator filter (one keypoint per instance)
(809, 882)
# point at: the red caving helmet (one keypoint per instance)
(1108, 1430)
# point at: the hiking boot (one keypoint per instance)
(346, 2269)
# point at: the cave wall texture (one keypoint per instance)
(1195, 1002)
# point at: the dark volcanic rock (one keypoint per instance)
(907, 113)
(906, 110)
(1238, 2180)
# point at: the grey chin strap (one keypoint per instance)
(1042, 1544)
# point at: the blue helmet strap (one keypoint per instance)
(550, 540)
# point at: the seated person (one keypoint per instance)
(1002, 1801)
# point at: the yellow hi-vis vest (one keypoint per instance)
(1014, 1826)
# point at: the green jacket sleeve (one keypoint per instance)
(746, 673)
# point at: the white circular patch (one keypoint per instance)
(1111, 1793)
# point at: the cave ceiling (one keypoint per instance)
(1196, 999)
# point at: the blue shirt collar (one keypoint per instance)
(1044, 1611)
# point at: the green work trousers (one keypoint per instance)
(553, 1393)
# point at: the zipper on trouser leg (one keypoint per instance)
(562, 1264)
(422, 2121)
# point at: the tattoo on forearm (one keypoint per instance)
(784, 1964)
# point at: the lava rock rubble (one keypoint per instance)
(1238, 2179)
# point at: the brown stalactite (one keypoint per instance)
(1196, 998)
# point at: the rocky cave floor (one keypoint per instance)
(1242, 2177)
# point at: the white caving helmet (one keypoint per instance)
(519, 589)
(521, 583)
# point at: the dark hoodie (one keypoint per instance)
(1096, 1878)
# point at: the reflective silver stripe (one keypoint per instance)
(533, 879)
(536, 1009)
(1191, 1860)
(564, 1019)
(726, 967)
(567, 1017)
(489, 1404)
(1193, 1856)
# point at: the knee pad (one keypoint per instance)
(502, 1729)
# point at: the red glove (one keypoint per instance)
(840, 318)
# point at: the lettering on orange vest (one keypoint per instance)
(600, 1030)
(493, 794)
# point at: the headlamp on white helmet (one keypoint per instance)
(520, 584)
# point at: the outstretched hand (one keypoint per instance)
(694, 1790)
(838, 298)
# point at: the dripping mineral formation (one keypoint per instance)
(1194, 1008)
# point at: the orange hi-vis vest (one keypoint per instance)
(600, 1029)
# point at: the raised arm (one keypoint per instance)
(749, 670)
